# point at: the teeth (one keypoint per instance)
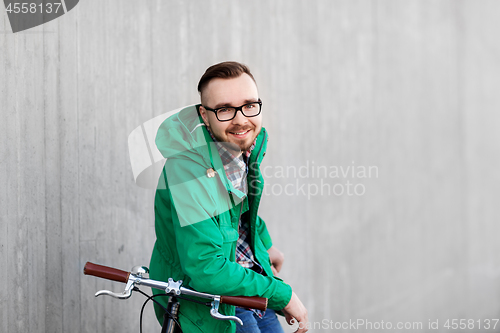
(240, 133)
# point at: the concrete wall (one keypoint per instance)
(409, 88)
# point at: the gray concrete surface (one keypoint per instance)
(409, 88)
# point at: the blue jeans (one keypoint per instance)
(253, 324)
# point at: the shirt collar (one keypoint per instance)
(228, 157)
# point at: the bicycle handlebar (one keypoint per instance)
(106, 272)
(252, 302)
(171, 286)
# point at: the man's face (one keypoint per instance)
(234, 92)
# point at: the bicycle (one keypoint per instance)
(139, 275)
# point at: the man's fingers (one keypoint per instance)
(301, 330)
(276, 257)
(289, 319)
(295, 310)
(302, 326)
(277, 266)
(275, 271)
(292, 321)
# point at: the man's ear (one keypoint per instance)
(204, 115)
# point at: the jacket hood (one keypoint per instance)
(181, 133)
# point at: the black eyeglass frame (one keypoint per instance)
(239, 108)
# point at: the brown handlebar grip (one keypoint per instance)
(106, 272)
(252, 302)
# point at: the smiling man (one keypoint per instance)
(223, 121)
(208, 231)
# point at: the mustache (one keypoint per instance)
(240, 129)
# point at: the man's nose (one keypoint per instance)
(239, 118)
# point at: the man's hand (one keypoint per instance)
(277, 257)
(294, 312)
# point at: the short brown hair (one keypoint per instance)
(223, 70)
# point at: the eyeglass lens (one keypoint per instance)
(249, 110)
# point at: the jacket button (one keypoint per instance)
(210, 173)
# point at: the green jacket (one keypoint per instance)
(196, 222)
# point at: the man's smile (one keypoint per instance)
(240, 134)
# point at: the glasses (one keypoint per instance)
(226, 113)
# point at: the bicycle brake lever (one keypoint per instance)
(124, 295)
(214, 312)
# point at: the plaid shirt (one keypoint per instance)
(236, 169)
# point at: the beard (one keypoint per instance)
(236, 146)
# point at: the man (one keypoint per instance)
(208, 232)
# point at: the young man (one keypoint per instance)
(207, 227)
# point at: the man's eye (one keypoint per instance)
(223, 110)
